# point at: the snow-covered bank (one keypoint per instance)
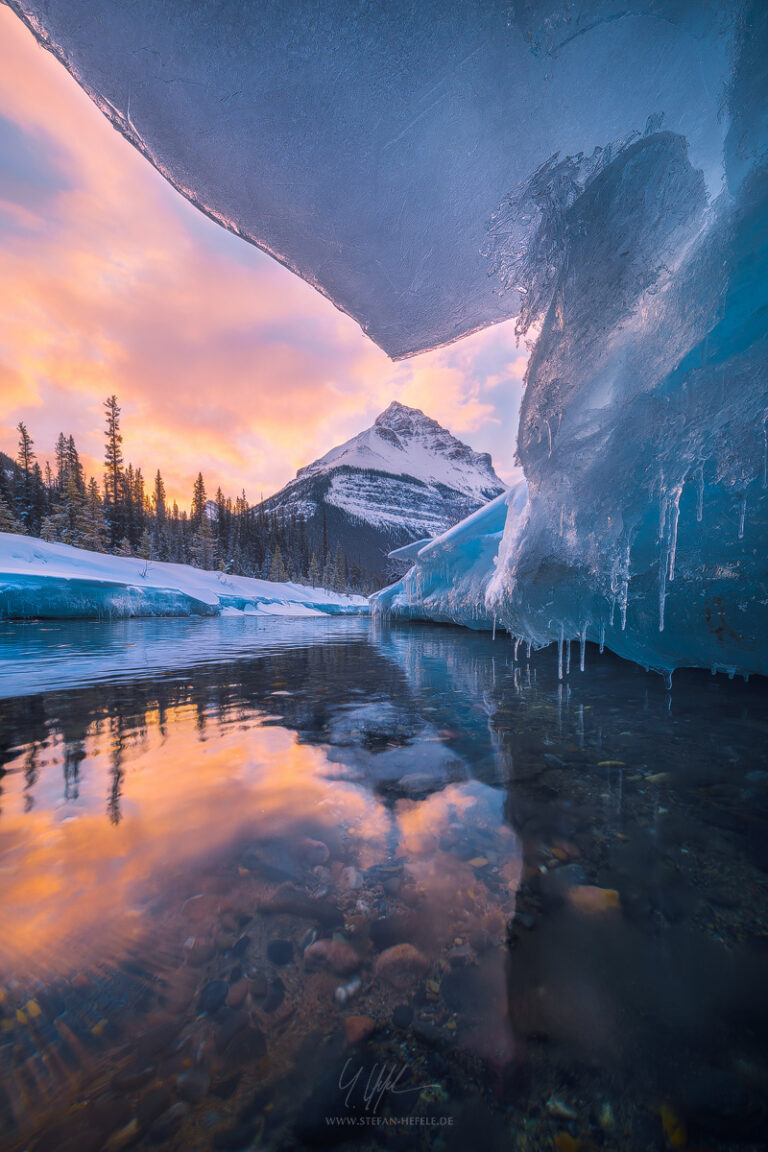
(55, 581)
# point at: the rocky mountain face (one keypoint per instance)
(405, 478)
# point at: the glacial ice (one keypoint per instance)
(644, 425)
(450, 575)
(40, 580)
(368, 147)
(598, 172)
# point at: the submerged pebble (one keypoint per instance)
(333, 956)
(401, 966)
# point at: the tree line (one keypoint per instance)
(126, 516)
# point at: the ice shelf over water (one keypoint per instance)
(57, 582)
(599, 172)
(368, 146)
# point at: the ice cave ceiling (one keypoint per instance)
(369, 144)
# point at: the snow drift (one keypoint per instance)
(39, 580)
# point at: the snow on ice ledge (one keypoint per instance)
(39, 580)
(449, 579)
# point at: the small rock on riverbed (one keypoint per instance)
(333, 956)
(401, 966)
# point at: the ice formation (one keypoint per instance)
(56, 582)
(450, 575)
(644, 427)
(367, 146)
(599, 172)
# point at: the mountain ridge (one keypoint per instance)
(403, 478)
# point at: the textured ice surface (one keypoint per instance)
(450, 575)
(644, 425)
(372, 147)
(54, 582)
(642, 434)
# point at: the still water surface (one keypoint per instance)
(286, 884)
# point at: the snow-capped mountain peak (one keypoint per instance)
(404, 442)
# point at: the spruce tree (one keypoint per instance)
(25, 460)
(9, 522)
(203, 547)
(277, 572)
(94, 527)
(314, 571)
(113, 471)
(199, 499)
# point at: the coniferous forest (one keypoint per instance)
(130, 515)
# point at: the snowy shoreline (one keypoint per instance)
(46, 581)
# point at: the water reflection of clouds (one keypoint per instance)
(77, 882)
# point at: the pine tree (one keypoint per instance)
(49, 529)
(160, 530)
(25, 459)
(277, 572)
(158, 498)
(113, 471)
(339, 577)
(9, 522)
(145, 548)
(314, 571)
(203, 547)
(199, 499)
(94, 528)
(74, 467)
(125, 548)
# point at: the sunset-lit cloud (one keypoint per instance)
(223, 361)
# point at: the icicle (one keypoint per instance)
(602, 638)
(662, 508)
(662, 592)
(673, 520)
(700, 495)
(742, 513)
(560, 656)
(562, 509)
(517, 645)
(493, 633)
(568, 657)
(625, 590)
(528, 650)
(668, 681)
(613, 610)
(582, 646)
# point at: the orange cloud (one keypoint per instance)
(223, 360)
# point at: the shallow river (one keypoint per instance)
(284, 884)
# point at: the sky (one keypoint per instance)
(223, 361)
